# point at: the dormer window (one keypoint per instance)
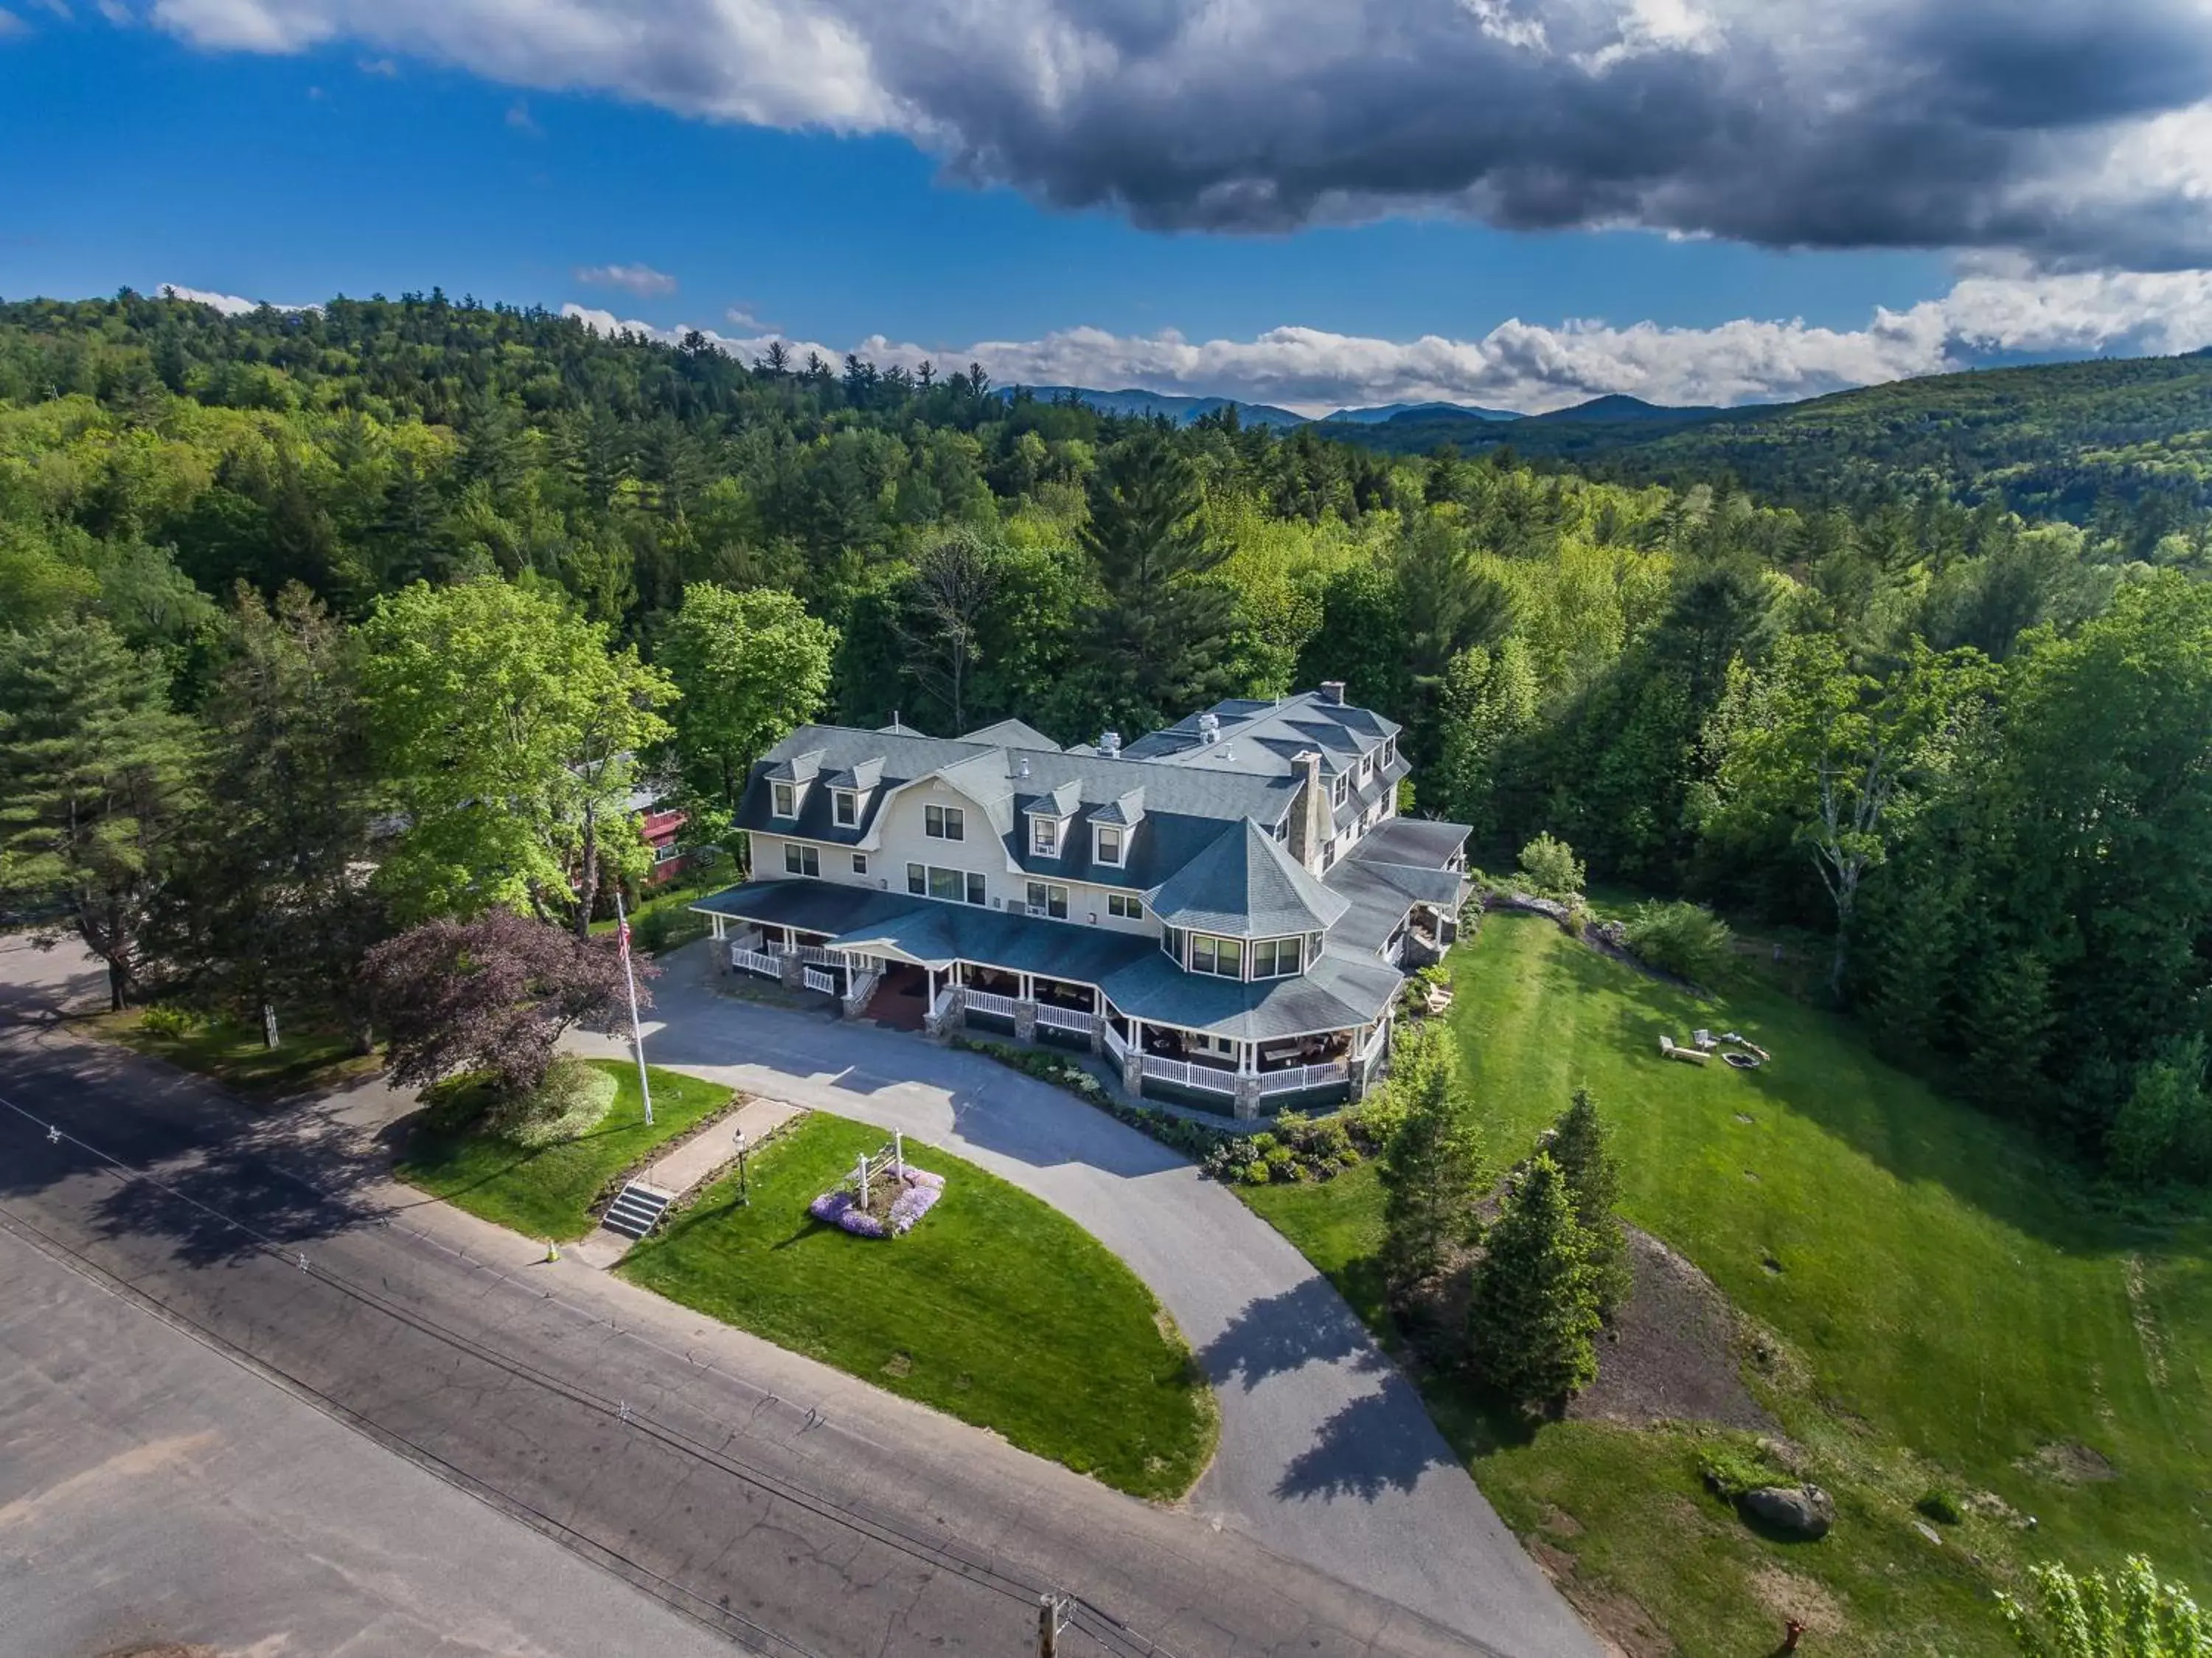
(844, 807)
(1107, 844)
(1389, 753)
(1366, 767)
(786, 799)
(1343, 788)
(1045, 837)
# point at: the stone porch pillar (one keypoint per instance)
(1245, 1102)
(791, 971)
(1133, 1061)
(955, 1016)
(1026, 1020)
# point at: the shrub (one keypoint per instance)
(172, 1022)
(668, 928)
(1940, 1506)
(1732, 1469)
(1687, 939)
(1551, 869)
(570, 1101)
(1257, 1174)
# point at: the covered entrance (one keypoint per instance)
(901, 999)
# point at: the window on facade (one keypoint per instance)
(786, 800)
(1222, 957)
(1045, 837)
(944, 822)
(917, 880)
(859, 863)
(845, 808)
(1171, 942)
(667, 854)
(1366, 767)
(1389, 753)
(975, 893)
(947, 884)
(1328, 854)
(1126, 906)
(1109, 846)
(1283, 829)
(801, 860)
(1276, 958)
(1343, 790)
(1048, 900)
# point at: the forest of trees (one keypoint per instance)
(272, 584)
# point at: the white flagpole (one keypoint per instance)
(629, 977)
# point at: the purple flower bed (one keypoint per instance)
(909, 1200)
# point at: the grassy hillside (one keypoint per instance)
(1942, 1308)
(2054, 438)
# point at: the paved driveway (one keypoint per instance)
(1327, 1454)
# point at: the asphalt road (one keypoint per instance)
(791, 1508)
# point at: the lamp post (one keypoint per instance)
(745, 1192)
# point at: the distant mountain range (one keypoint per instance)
(1144, 405)
(2052, 439)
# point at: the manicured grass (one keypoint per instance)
(996, 1308)
(305, 1057)
(1947, 1302)
(549, 1193)
(673, 900)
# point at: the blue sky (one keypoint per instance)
(160, 150)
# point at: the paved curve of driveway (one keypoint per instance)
(1328, 1455)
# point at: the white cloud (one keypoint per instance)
(641, 280)
(2070, 131)
(229, 304)
(11, 24)
(1533, 366)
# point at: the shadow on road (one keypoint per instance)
(1374, 1444)
(1307, 1325)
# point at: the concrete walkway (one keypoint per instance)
(1328, 1455)
(698, 1160)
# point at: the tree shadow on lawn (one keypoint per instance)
(1824, 1071)
(1275, 1334)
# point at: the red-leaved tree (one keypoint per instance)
(491, 994)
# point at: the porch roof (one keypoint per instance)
(1337, 992)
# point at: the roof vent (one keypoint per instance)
(1025, 770)
(1209, 728)
(1110, 745)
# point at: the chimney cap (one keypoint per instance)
(1109, 743)
(1332, 690)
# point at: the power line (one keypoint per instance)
(1102, 1628)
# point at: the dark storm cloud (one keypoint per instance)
(2069, 131)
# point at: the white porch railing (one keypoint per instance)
(818, 980)
(1190, 1076)
(863, 989)
(1298, 1077)
(1067, 1019)
(753, 962)
(820, 956)
(1114, 1044)
(1373, 1051)
(988, 1002)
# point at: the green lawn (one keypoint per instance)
(996, 1308)
(305, 1057)
(1947, 1302)
(549, 1193)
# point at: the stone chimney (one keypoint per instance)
(1309, 811)
(1332, 690)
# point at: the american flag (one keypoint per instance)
(622, 939)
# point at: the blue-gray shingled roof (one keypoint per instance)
(1247, 886)
(1338, 992)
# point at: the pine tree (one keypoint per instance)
(1579, 1146)
(1534, 1307)
(1154, 643)
(96, 778)
(1431, 1170)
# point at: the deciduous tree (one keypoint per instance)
(492, 994)
(751, 666)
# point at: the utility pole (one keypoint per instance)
(629, 977)
(1052, 1617)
